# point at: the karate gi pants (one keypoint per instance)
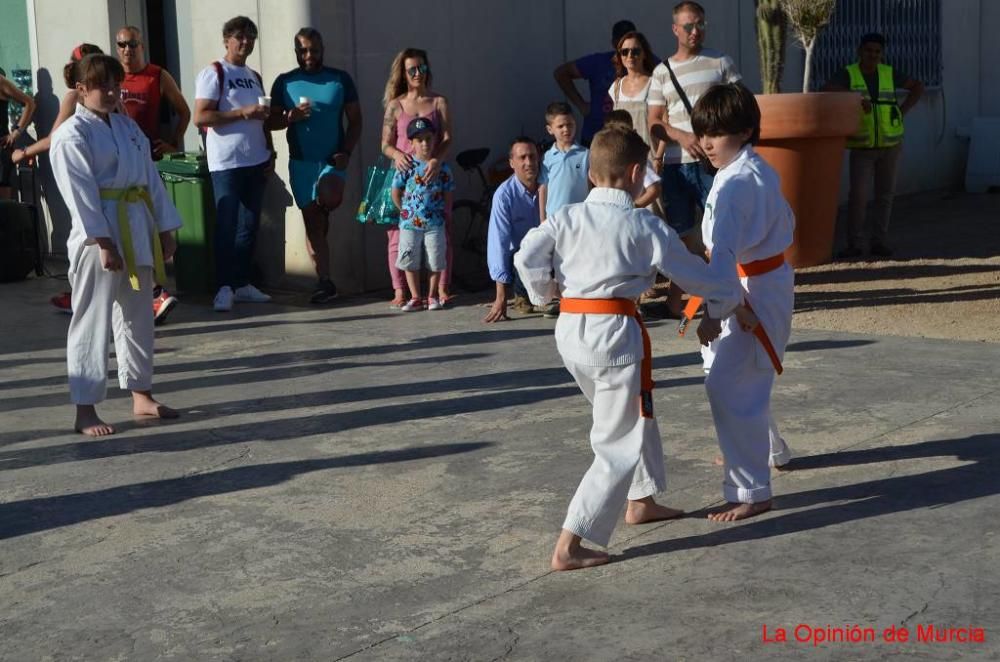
(739, 385)
(104, 304)
(628, 453)
(780, 452)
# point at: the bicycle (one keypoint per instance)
(471, 220)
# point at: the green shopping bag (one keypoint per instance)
(376, 205)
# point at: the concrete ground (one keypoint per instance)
(350, 482)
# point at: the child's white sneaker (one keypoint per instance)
(223, 299)
(412, 305)
(250, 294)
(434, 304)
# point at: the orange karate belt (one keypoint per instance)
(756, 268)
(621, 307)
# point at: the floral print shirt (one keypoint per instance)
(423, 202)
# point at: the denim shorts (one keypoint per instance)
(685, 187)
(422, 248)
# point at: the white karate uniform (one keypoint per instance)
(747, 219)
(88, 155)
(605, 248)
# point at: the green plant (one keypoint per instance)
(772, 30)
(808, 18)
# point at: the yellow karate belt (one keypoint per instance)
(126, 197)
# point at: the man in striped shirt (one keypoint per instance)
(685, 184)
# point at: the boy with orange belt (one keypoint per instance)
(600, 255)
(747, 227)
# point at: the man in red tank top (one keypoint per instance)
(144, 87)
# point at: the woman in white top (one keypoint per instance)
(634, 63)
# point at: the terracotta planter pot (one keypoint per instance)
(803, 137)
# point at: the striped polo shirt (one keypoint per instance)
(695, 75)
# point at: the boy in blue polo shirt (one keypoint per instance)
(563, 179)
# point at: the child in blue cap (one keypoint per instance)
(424, 207)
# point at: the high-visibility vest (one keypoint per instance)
(882, 126)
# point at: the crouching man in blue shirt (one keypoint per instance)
(514, 212)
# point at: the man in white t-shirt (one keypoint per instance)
(685, 184)
(228, 96)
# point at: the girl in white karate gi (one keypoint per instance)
(746, 227)
(121, 232)
(600, 255)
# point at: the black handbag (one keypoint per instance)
(706, 165)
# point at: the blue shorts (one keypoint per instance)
(685, 186)
(303, 176)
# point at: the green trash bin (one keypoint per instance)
(189, 185)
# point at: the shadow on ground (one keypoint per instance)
(19, 518)
(865, 500)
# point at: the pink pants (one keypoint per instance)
(397, 275)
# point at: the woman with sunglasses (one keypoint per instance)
(408, 95)
(634, 63)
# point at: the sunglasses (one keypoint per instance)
(131, 43)
(630, 52)
(689, 27)
(419, 69)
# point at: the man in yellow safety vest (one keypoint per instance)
(876, 147)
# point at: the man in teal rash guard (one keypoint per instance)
(312, 102)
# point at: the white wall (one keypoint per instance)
(89, 24)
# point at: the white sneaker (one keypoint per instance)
(250, 294)
(223, 299)
(434, 304)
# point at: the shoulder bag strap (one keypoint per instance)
(677, 86)
(220, 74)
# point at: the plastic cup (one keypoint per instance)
(264, 101)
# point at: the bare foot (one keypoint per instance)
(719, 461)
(89, 423)
(569, 555)
(143, 404)
(783, 467)
(646, 510)
(736, 511)
(398, 299)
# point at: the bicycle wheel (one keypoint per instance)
(470, 225)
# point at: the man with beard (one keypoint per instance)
(312, 102)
